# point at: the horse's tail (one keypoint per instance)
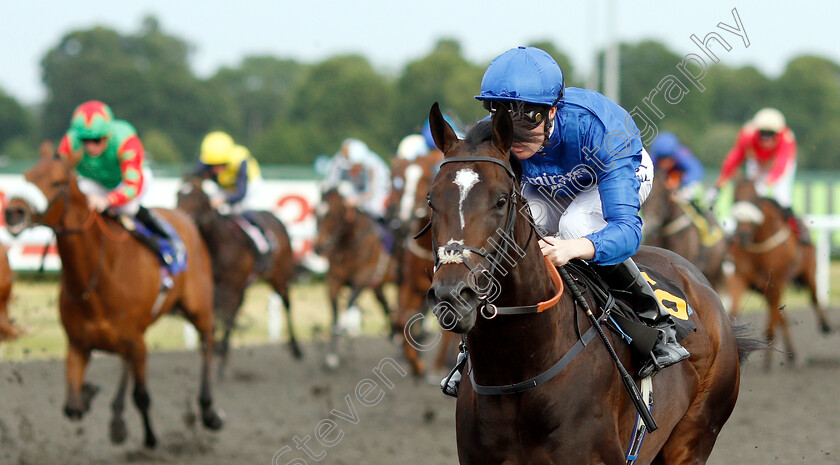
(746, 343)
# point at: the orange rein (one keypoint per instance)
(558, 282)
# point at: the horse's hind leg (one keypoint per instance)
(137, 360)
(117, 430)
(79, 393)
(386, 310)
(332, 360)
(283, 292)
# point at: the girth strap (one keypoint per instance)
(541, 378)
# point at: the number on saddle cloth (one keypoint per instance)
(166, 240)
(673, 299)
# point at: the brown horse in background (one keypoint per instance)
(348, 239)
(768, 257)
(111, 290)
(582, 414)
(8, 330)
(234, 265)
(672, 224)
(416, 260)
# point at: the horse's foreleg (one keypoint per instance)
(332, 354)
(774, 298)
(409, 305)
(118, 431)
(140, 395)
(209, 416)
(79, 393)
(736, 286)
(386, 310)
(287, 307)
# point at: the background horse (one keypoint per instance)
(7, 329)
(234, 264)
(416, 259)
(768, 257)
(583, 414)
(672, 225)
(348, 239)
(110, 290)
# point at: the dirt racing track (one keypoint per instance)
(367, 412)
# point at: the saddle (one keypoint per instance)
(260, 239)
(621, 319)
(161, 238)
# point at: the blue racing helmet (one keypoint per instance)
(665, 145)
(524, 74)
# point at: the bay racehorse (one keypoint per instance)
(348, 238)
(111, 290)
(7, 329)
(234, 264)
(583, 414)
(768, 257)
(679, 227)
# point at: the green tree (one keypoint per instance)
(262, 88)
(340, 97)
(16, 124)
(443, 76)
(808, 93)
(737, 93)
(145, 78)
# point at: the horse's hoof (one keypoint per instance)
(332, 361)
(150, 442)
(89, 391)
(212, 420)
(73, 413)
(118, 431)
(296, 352)
(825, 328)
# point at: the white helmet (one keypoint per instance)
(412, 146)
(355, 150)
(769, 119)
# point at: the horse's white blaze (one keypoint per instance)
(465, 179)
(747, 212)
(209, 187)
(31, 194)
(413, 173)
(186, 189)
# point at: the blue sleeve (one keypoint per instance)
(241, 184)
(201, 170)
(689, 165)
(618, 188)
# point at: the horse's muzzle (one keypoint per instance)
(17, 219)
(453, 305)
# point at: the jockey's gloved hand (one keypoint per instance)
(98, 203)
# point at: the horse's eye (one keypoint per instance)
(502, 201)
(429, 200)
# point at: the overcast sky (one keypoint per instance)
(391, 32)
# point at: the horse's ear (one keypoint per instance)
(502, 131)
(442, 132)
(47, 149)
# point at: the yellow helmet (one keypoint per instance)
(216, 148)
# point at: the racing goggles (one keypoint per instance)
(531, 115)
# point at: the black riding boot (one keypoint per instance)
(625, 278)
(152, 223)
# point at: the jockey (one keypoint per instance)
(361, 176)
(684, 171)
(112, 169)
(768, 147)
(233, 168)
(582, 140)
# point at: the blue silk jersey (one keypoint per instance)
(595, 145)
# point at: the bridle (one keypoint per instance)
(457, 252)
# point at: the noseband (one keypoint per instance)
(457, 252)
